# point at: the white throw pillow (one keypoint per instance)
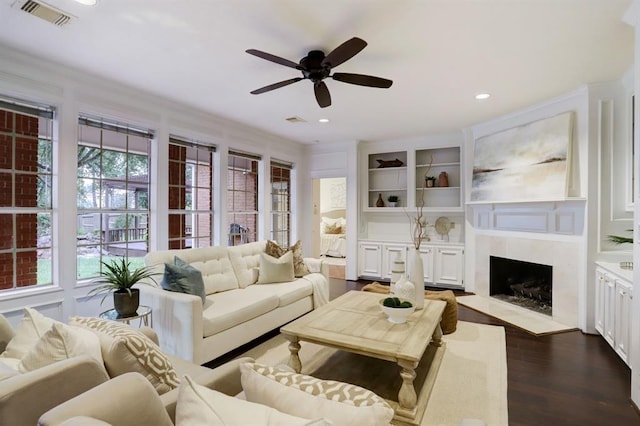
(7, 371)
(198, 405)
(59, 343)
(299, 394)
(276, 270)
(30, 329)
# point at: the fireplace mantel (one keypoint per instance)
(564, 217)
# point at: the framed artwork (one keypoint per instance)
(524, 163)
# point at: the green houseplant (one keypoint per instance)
(393, 200)
(118, 278)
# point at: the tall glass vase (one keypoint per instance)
(417, 276)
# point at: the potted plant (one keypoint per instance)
(118, 277)
(393, 200)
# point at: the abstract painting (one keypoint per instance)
(525, 163)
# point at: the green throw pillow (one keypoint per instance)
(183, 278)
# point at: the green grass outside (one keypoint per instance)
(88, 267)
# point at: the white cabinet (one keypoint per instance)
(370, 259)
(443, 264)
(449, 267)
(391, 252)
(622, 319)
(387, 175)
(613, 310)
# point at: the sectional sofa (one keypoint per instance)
(236, 309)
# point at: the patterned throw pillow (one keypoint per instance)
(299, 267)
(125, 349)
(333, 229)
(302, 395)
(183, 278)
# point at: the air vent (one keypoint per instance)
(295, 120)
(45, 11)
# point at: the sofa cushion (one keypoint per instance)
(245, 260)
(213, 262)
(275, 270)
(233, 307)
(287, 293)
(31, 328)
(126, 349)
(299, 266)
(201, 406)
(7, 371)
(61, 342)
(299, 394)
(183, 278)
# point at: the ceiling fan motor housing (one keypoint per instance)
(312, 67)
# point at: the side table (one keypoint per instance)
(144, 314)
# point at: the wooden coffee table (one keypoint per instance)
(354, 322)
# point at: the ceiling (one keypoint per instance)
(439, 54)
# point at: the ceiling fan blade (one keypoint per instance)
(362, 80)
(275, 85)
(344, 52)
(273, 58)
(322, 94)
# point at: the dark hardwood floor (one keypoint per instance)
(560, 379)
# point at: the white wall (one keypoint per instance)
(71, 92)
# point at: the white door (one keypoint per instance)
(391, 252)
(622, 319)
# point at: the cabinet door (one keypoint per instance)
(600, 301)
(369, 260)
(427, 263)
(449, 266)
(622, 319)
(391, 252)
(609, 309)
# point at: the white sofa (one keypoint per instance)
(236, 310)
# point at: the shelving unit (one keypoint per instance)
(434, 162)
(387, 180)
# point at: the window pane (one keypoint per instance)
(113, 195)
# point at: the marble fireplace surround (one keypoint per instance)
(504, 230)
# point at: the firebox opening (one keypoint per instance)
(525, 284)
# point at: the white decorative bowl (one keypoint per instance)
(397, 315)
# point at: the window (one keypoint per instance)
(26, 171)
(190, 194)
(281, 202)
(113, 194)
(242, 197)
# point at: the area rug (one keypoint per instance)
(532, 322)
(471, 382)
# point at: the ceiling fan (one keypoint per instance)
(316, 67)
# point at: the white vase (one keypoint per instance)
(405, 289)
(396, 272)
(417, 277)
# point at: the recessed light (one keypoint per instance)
(482, 96)
(324, 120)
(88, 2)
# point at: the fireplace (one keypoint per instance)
(521, 283)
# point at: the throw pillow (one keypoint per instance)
(125, 349)
(183, 278)
(30, 329)
(273, 270)
(6, 371)
(198, 405)
(299, 267)
(333, 229)
(59, 343)
(299, 394)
